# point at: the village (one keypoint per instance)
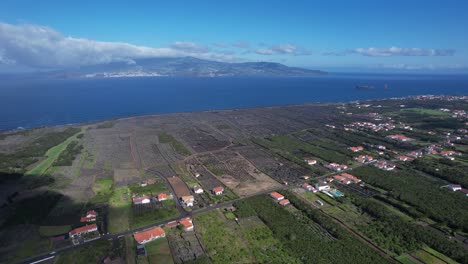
(171, 199)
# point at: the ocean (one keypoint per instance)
(28, 103)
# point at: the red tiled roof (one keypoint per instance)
(284, 202)
(276, 195)
(186, 222)
(87, 219)
(140, 199)
(162, 196)
(218, 189)
(92, 213)
(146, 235)
(82, 229)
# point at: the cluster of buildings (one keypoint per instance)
(384, 165)
(401, 138)
(278, 197)
(387, 126)
(146, 199)
(363, 158)
(336, 167)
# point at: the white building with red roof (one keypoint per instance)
(218, 190)
(149, 235)
(83, 230)
(162, 197)
(277, 196)
(186, 223)
(89, 217)
(146, 199)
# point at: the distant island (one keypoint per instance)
(182, 67)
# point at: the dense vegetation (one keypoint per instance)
(67, 156)
(293, 146)
(17, 162)
(411, 187)
(393, 233)
(450, 171)
(302, 241)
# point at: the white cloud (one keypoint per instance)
(282, 49)
(394, 51)
(416, 67)
(42, 47)
(189, 47)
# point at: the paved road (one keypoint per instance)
(48, 255)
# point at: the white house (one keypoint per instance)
(197, 189)
(454, 187)
(142, 200)
(322, 186)
(218, 190)
(187, 200)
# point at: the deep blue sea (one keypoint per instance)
(36, 103)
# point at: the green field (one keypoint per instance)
(405, 259)
(119, 210)
(426, 111)
(53, 230)
(219, 241)
(89, 254)
(52, 154)
(158, 251)
(154, 216)
(264, 247)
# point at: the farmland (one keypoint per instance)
(52, 176)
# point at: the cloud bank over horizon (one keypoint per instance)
(42, 47)
(394, 51)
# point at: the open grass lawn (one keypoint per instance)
(426, 111)
(152, 189)
(48, 231)
(157, 215)
(405, 259)
(158, 251)
(349, 214)
(119, 210)
(439, 255)
(89, 254)
(427, 258)
(264, 246)
(52, 154)
(218, 237)
(103, 190)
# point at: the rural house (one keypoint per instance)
(277, 196)
(146, 199)
(218, 190)
(89, 217)
(197, 189)
(187, 200)
(149, 235)
(83, 230)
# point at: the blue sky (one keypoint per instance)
(332, 35)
